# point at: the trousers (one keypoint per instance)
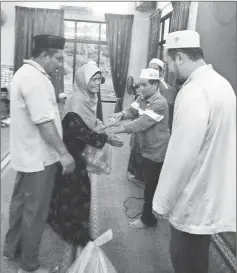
(152, 173)
(189, 252)
(28, 214)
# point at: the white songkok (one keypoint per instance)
(183, 39)
(157, 61)
(150, 74)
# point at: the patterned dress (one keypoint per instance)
(70, 204)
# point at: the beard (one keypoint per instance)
(180, 80)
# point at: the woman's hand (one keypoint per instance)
(114, 141)
(99, 123)
(116, 130)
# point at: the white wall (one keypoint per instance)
(216, 23)
(192, 18)
(139, 43)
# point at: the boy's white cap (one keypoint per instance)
(150, 74)
(182, 39)
(157, 61)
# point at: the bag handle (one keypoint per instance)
(104, 238)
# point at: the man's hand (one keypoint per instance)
(67, 163)
(114, 141)
(115, 117)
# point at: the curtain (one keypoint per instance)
(119, 34)
(179, 21)
(34, 21)
(99, 111)
(154, 36)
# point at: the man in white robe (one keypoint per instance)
(197, 184)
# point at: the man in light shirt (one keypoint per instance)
(153, 135)
(197, 184)
(36, 148)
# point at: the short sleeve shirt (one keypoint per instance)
(33, 102)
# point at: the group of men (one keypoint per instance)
(190, 173)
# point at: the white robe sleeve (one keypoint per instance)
(190, 124)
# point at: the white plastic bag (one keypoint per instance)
(93, 259)
(98, 160)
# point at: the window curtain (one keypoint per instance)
(99, 111)
(34, 21)
(154, 33)
(119, 34)
(179, 21)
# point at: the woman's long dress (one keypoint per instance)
(70, 203)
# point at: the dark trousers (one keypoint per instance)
(152, 172)
(189, 252)
(28, 214)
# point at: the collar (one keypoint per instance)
(201, 70)
(153, 97)
(37, 66)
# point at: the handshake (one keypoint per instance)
(110, 129)
(114, 119)
(112, 140)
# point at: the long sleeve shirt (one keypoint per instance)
(151, 126)
(197, 184)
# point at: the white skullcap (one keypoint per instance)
(182, 39)
(150, 74)
(157, 61)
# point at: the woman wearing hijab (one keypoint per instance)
(70, 203)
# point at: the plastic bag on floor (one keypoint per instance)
(93, 259)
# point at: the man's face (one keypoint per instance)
(94, 83)
(172, 65)
(154, 66)
(52, 63)
(147, 89)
